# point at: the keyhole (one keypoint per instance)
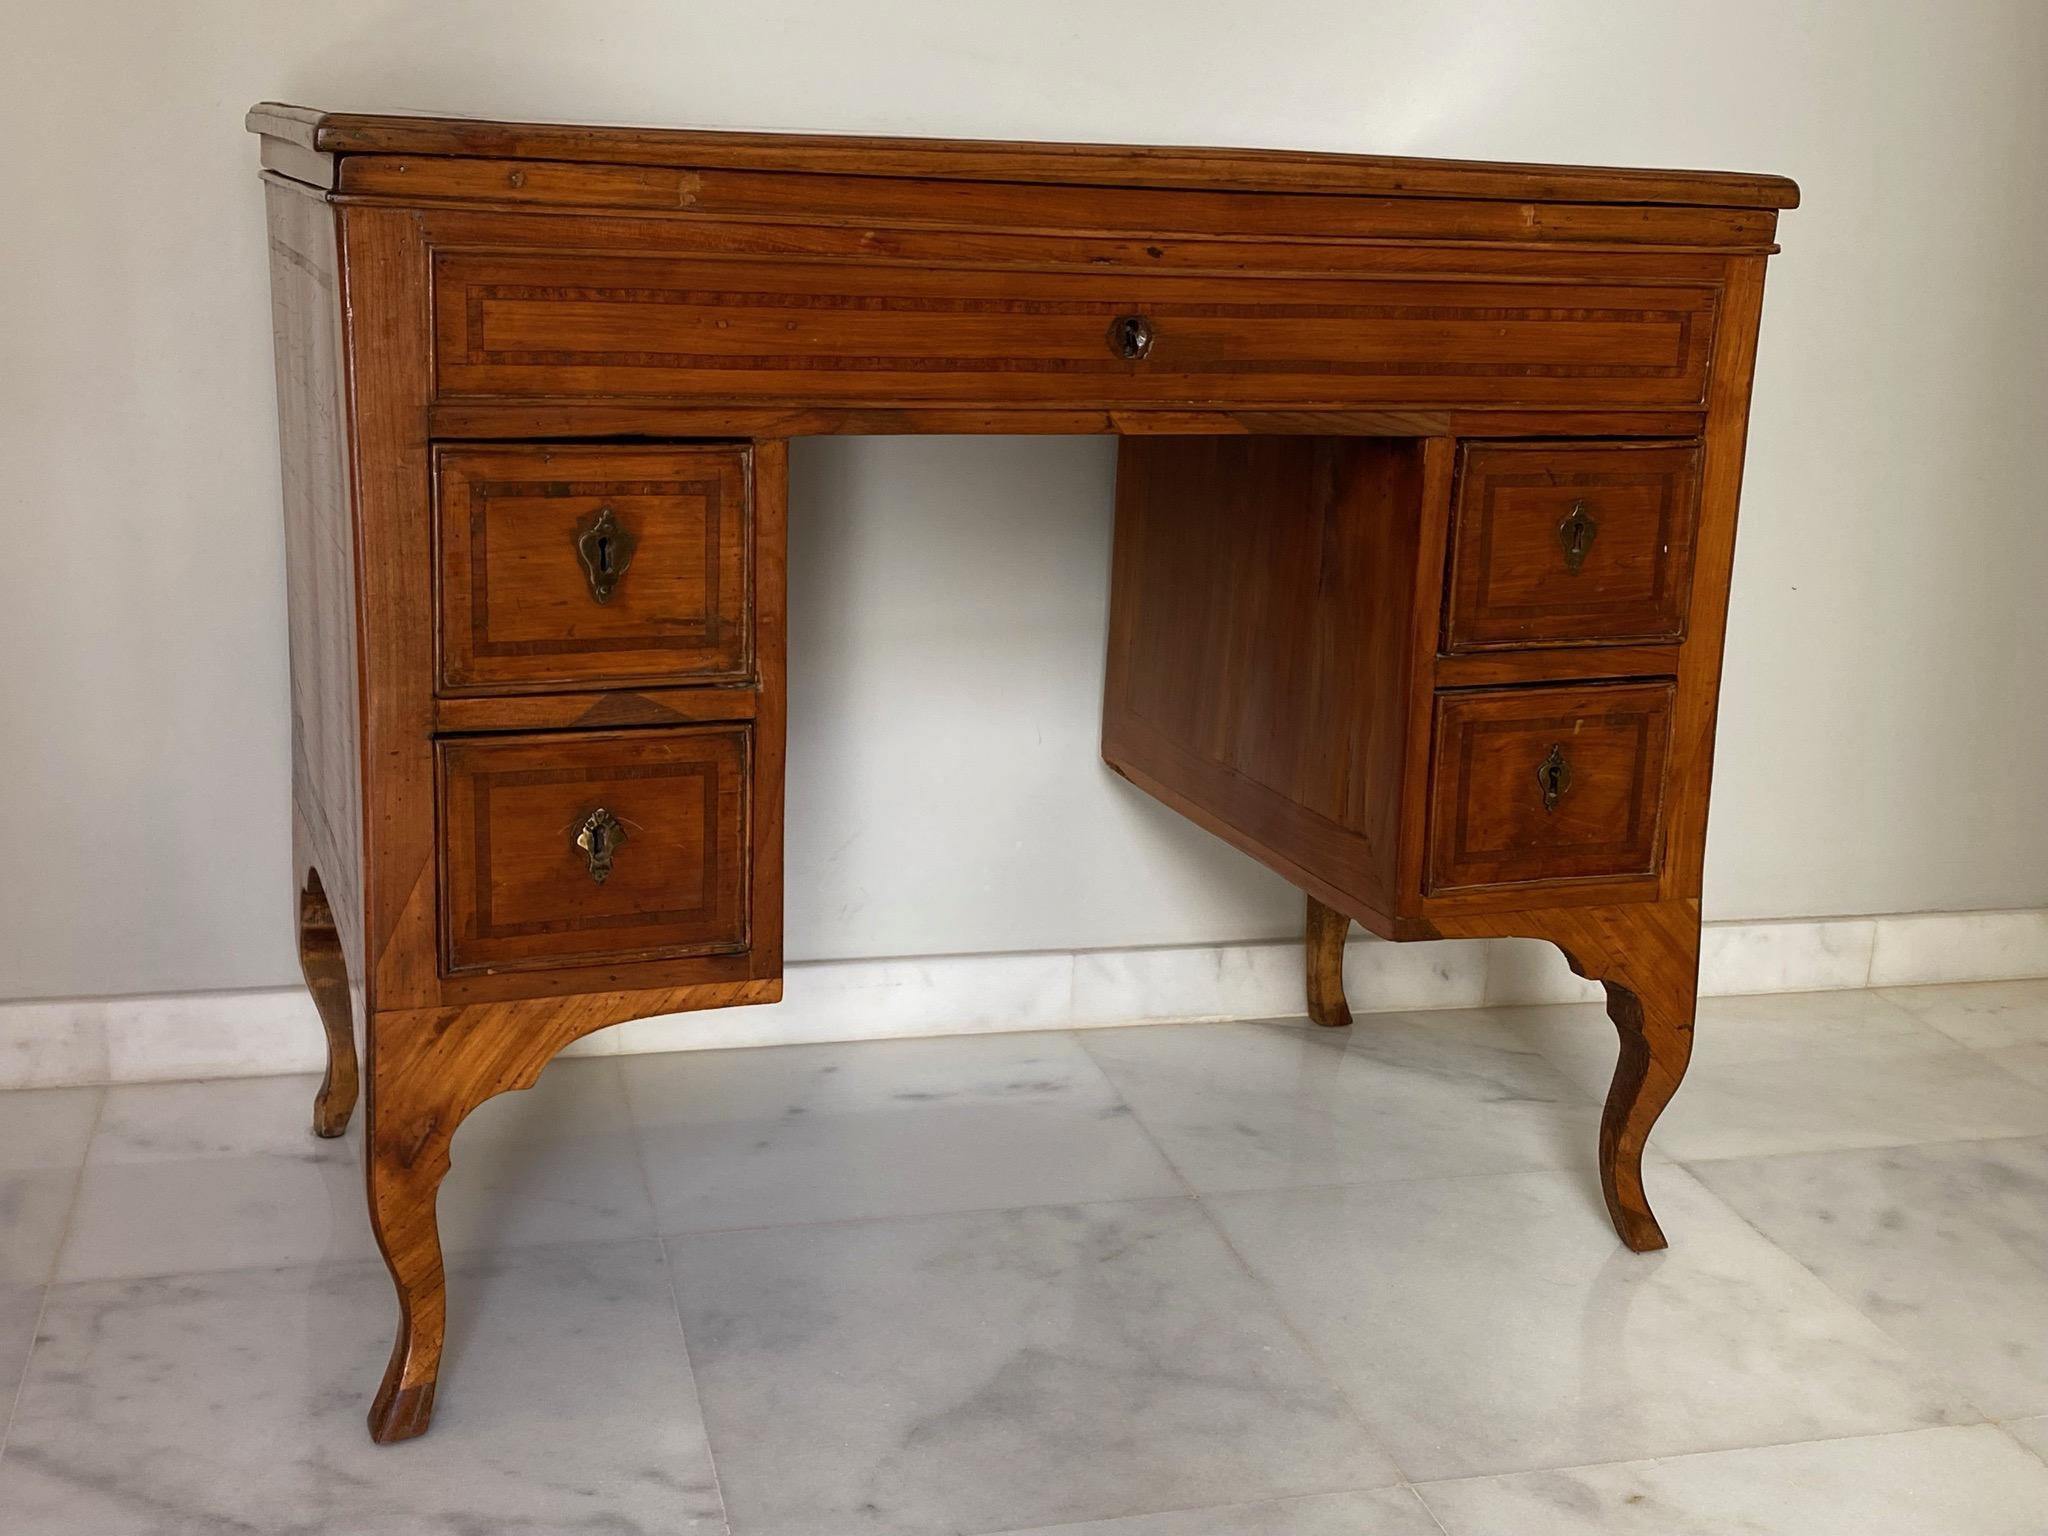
(1575, 536)
(1553, 776)
(604, 555)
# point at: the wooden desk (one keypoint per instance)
(1425, 506)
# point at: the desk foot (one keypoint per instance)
(1327, 930)
(1648, 958)
(1656, 1043)
(327, 979)
(407, 1157)
(400, 1413)
(427, 1069)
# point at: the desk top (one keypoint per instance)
(988, 160)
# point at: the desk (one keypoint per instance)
(1426, 496)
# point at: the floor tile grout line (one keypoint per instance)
(1316, 1355)
(372, 1260)
(1935, 1373)
(1865, 1146)
(1259, 1284)
(1428, 1509)
(1307, 1345)
(99, 1109)
(1197, 1509)
(1715, 1450)
(2004, 1427)
(1116, 1091)
(675, 1300)
(697, 1391)
(923, 1216)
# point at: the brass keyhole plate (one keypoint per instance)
(598, 840)
(605, 547)
(1576, 534)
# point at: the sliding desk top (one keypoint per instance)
(1119, 165)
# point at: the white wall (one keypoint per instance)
(1884, 739)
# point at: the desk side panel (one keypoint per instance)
(1260, 638)
(320, 557)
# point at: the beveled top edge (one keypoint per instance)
(1125, 165)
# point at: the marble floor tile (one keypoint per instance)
(1817, 1104)
(46, 1127)
(19, 1305)
(1931, 1482)
(1986, 1013)
(1944, 1247)
(202, 1404)
(34, 1209)
(2028, 1063)
(1382, 1512)
(184, 1177)
(1493, 1324)
(886, 1128)
(2032, 1433)
(996, 1371)
(1256, 1106)
(554, 1163)
(1804, 1072)
(43, 1137)
(1732, 1032)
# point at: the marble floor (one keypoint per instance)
(1183, 1280)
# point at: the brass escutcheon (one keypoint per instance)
(1576, 533)
(598, 839)
(606, 549)
(1554, 776)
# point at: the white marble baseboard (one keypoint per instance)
(255, 1033)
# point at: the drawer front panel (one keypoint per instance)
(1572, 544)
(578, 326)
(566, 567)
(1547, 784)
(660, 871)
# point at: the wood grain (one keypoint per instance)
(1275, 570)
(429, 1069)
(519, 420)
(1119, 165)
(1327, 931)
(516, 607)
(518, 893)
(1513, 582)
(1491, 822)
(320, 583)
(1647, 955)
(323, 962)
(909, 203)
(562, 326)
(1341, 634)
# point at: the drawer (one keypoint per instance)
(1547, 784)
(577, 326)
(565, 567)
(1571, 544)
(578, 848)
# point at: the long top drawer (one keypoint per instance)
(583, 325)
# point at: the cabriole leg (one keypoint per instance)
(1655, 1025)
(1648, 958)
(1327, 930)
(327, 979)
(405, 1159)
